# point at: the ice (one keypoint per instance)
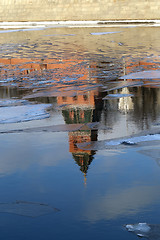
(110, 96)
(150, 231)
(65, 91)
(143, 75)
(93, 145)
(60, 128)
(103, 33)
(6, 80)
(123, 84)
(138, 227)
(51, 93)
(153, 153)
(22, 30)
(128, 141)
(134, 140)
(28, 209)
(23, 113)
(63, 35)
(12, 102)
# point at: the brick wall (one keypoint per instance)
(60, 10)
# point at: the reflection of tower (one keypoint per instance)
(125, 103)
(82, 157)
(80, 109)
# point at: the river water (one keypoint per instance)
(79, 132)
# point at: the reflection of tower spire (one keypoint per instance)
(83, 159)
(85, 179)
(81, 109)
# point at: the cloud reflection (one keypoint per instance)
(20, 152)
(128, 201)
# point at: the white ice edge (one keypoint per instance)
(133, 140)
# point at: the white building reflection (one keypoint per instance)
(125, 103)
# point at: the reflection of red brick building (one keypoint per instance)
(81, 100)
(80, 107)
(142, 65)
(62, 68)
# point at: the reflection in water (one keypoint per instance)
(81, 109)
(128, 201)
(83, 77)
(125, 103)
(73, 84)
(36, 73)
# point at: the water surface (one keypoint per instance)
(65, 93)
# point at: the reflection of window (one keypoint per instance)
(85, 97)
(71, 114)
(44, 66)
(75, 98)
(82, 114)
(75, 145)
(64, 99)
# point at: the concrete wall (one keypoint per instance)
(60, 10)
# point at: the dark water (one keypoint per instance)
(63, 98)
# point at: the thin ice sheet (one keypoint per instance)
(143, 75)
(28, 209)
(23, 113)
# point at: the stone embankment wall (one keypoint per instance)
(75, 10)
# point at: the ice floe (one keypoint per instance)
(143, 75)
(103, 33)
(12, 102)
(21, 30)
(150, 231)
(153, 153)
(110, 96)
(138, 227)
(133, 140)
(63, 35)
(121, 142)
(57, 91)
(122, 84)
(23, 113)
(61, 128)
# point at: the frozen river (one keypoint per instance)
(80, 133)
